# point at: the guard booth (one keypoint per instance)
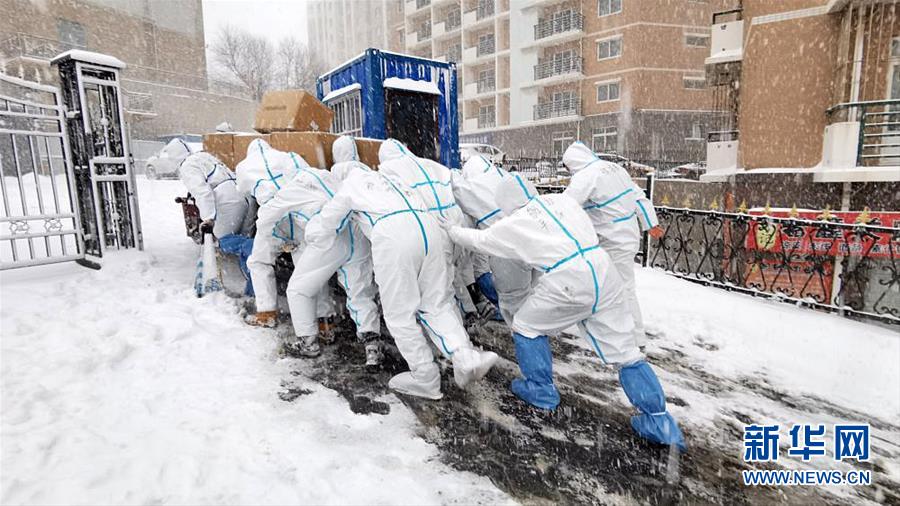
(380, 94)
(101, 158)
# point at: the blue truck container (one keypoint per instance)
(381, 94)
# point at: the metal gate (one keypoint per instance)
(104, 179)
(40, 223)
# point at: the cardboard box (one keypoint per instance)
(292, 111)
(314, 147)
(367, 149)
(241, 142)
(221, 146)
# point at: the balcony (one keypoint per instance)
(486, 85)
(28, 46)
(867, 132)
(557, 109)
(552, 67)
(727, 39)
(139, 104)
(570, 21)
(486, 122)
(482, 13)
(449, 25)
(413, 6)
(486, 47)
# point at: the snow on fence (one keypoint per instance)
(851, 268)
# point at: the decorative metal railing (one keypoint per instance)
(486, 47)
(486, 85)
(557, 109)
(851, 268)
(551, 67)
(485, 9)
(879, 130)
(568, 21)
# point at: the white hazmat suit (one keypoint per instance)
(579, 287)
(475, 189)
(432, 182)
(263, 174)
(411, 271)
(212, 185)
(619, 211)
(552, 234)
(349, 255)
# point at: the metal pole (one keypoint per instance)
(645, 240)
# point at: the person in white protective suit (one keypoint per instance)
(619, 211)
(223, 209)
(579, 287)
(475, 190)
(431, 181)
(349, 256)
(410, 263)
(262, 175)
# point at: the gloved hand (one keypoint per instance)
(485, 309)
(207, 226)
(656, 232)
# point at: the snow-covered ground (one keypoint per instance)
(119, 386)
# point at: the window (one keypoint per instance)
(609, 48)
(607, 7)
(696, 133)
(605, 140)
(564, 99)
(71, 33)
(561, 141)
(696, 40)
(486, 115)
(694, 83)
(607, 92)
(347, 114)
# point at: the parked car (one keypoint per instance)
(160, 167)
(492, 153)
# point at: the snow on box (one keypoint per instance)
(412, 85)
(340, 92)
(90, 57)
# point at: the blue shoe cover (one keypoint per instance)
(645, 393)
(486, 285)
(536, 364)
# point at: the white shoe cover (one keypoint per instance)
(424, 382)
(471, 365)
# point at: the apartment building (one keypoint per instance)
(167, 90)
(624, 76)
(342, 29)
(808, 86)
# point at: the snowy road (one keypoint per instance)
(118, 386)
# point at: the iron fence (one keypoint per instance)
(853, 269)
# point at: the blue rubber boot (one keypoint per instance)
(536, 364)
(241, 246)
(645, 393)
(486, 285)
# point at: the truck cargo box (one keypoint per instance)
(381, 94)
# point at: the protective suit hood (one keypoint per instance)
(344, 150)
(341, 171)
(578, 156)
(175, 152)
(476, 165)
(392, 149)
(513, 193)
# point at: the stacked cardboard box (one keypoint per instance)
(289, 120)
(292, 111)
(314, 147)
